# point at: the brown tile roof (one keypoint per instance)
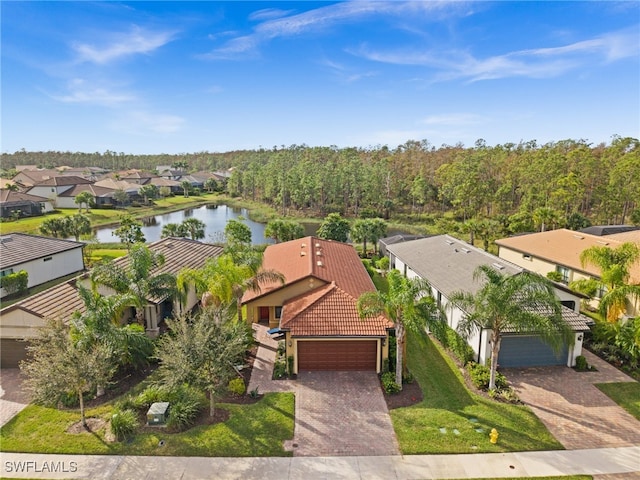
(95, 190)
(18, 248)
(9, 196)
(563, 247)
(313, 257)
(179, 253)
(60, 301)
(329, 311)
(630, 236)
(63, 180)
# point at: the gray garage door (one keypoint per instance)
(11, 352)
(528, 352)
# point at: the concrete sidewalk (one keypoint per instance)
(622, 460)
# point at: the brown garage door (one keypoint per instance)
(337, 355)
(12, 352)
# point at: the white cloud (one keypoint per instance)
(322, 18)
(535, 63)
(119, 45)
(79, 91)
(268, 14)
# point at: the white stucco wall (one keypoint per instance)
(58, 265)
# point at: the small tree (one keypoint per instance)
(54, 227)
(173, 230)
(77, 225)
(186, 187)
(58, 365)
(202, 351)
(149, 192)
(334, 227)
(193, 228)
(84, 198)
(238, 233)
(282, 230)
(129, 231)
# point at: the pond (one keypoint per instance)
(215, 218)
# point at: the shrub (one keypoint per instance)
(581, 363)
(237, 386)
(124, 423)
(454, 342)
(279, 370)
(480, 376)
(15, 282)
(408, 378)
(182, 415)
(254, 393)
(389, 384)
(151, 394)
(290, 364)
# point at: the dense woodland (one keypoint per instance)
(505, 188)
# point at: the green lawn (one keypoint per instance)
(625, 394)
(252, 430)
(450, 417)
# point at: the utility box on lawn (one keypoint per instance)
(158, 413)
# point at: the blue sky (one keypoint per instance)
(174, 77)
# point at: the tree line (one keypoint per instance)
(522, 186)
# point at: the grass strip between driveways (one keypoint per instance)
(452, 419)
(625, 394)
(252, 430)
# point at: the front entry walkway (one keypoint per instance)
(577, 413)
(337, 413)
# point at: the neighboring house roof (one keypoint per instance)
(4, 183)
(313, 257)
(629, 236)
(7, 196)
(95, 190)
(448, 264)
(604, 230)
(18, 248)
(118, 185)
(63, 181)
(563, 247)
(31, 177)
(164, 182)
(329, 311)
(60, 301)
(179, 253)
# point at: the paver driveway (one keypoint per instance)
(573, 409)
(337, 413)
(342, 413)
(13, 398)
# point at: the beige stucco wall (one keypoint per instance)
(19, 324)
(277, 299)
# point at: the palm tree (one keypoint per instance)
(522, 303)
(408, 304)
(137, 278)
(614, 264)
(194, 228)
(222, 281)
(99, 324)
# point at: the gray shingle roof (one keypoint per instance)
(18, 248)
(448, 264)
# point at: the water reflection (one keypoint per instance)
(215, 220)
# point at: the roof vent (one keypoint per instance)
(319, 263)
(466, 250)
(302, 254)
(450, 242)
(602, 242)
(319, 253)
(317, 245)
(579, 237)
(302, 245)
(498, 266)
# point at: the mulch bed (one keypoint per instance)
(410, 394)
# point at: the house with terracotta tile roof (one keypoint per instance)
(448, 264)
(559, 251)
(316, 309)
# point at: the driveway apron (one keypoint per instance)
(577, 413)
(12, 396)
(337, 413)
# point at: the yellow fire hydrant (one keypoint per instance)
(493, 436)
